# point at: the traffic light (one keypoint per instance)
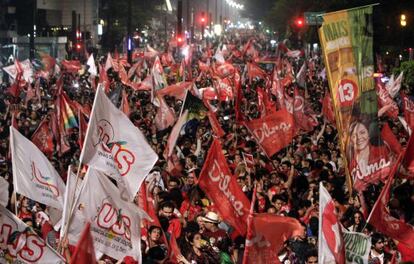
(203, 21)
(299, 22)
(180, 40)
(78, 47)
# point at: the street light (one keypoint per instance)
(403, 20)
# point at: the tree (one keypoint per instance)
(408, 79)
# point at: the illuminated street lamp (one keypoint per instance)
(403, 20)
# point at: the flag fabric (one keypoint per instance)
(327, 108)
(390, 139)
(72, 189)
(269, 232)
(115, 223)
(331, 244)
(219, 185)
(385, 100)
(357, 247)
(33, 175)
(215, 125)
(84, 251)
(48, 62)
(83, 126)
(301, 75)
(92, 67)
(408, 108)
(43, 137)
(304, 116)
(195, 106)
(103, 79)
(65, 112)
(354, 93)
(273, 132)
(394, 86)
(58, 130)
(4, 192)
(20, 244)
(110, 63)
(384, 222)
(224, 70)
(165, 116)
(175, 132)
(248, 160)
(21, 69)
(157, 72)
(114, 145)
(408, 160)
(71, 66)
(254, 71)
(125, 104)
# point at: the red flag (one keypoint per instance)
(72, 66)
(43, 137)
(14, 89)
(248, 159)
(215, 125)
(390, 139)
(217, 182)
(225, 70)
(124, 104)
(327, 108)
(273, 132)
(270, 231)
(177, 90)
(239, 98)
(84, 251)
(174, 249)
(203, 66)
(385, 100)
(83, 125)
(253, 71)
(103, 78)
(30, 93)
(304, 117)
(408, 107)
(387, 224)
(331, 244)
(165, 116)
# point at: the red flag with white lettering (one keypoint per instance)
(274, 131)
(387, 224)
(219, 185)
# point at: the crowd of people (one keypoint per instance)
(287, 183)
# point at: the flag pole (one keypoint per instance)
(249, 235)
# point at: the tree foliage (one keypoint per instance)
(408, 79)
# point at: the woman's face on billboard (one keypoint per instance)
(360, 137)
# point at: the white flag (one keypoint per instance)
(357, 247)
(26, 67)
(21, 244)
(115, 146)
(330, 241)
(73, 187)
(4, 192)
(33, 174)
(115, 223)
(92, 67)
(394, 86)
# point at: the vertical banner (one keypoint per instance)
(357, 247)
(347, 38)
